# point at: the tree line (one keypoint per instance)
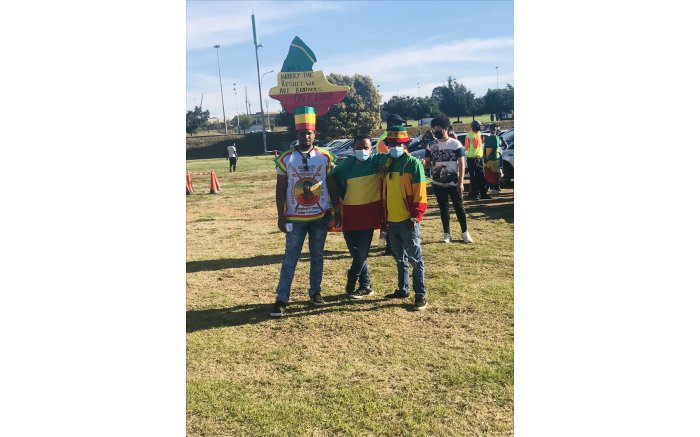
(361, 111)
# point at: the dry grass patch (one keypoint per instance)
(371, 367)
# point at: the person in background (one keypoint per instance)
(406, 201)
(492, 160)
(475, 163)
(232, 157)
(447, 158)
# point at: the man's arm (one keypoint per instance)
(460, 175)
(280, 194)
(333, 191)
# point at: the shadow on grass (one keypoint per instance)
(253, 261)
(500, 207)
(255, 313)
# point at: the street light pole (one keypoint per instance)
(257, 62)
(496, 77)
(221, 87)
(380, 107)
(235, 103)
(419, 89)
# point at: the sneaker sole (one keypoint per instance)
(276, 314)
(421, 308)
(360, 296)
(318, 304)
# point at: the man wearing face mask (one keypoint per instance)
(475, 162)
(406, 201)
(358, 179)
(305, 195)
(447, 156)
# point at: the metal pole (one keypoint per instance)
(380, 107)
(267, 109)
(257, 62)
(496, 77)
(235, 103)
(221, 88)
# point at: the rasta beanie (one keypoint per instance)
(396, 135)
(305, 118)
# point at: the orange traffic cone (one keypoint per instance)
(189, 184)
(214, 188)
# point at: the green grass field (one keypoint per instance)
(369, 367)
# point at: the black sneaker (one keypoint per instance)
(278, 309)
(397, 294)
(317, 300)
(361, 293)
(486, 196)
(420, 303)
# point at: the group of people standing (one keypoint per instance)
(368, 191)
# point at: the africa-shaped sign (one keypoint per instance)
(298, 85)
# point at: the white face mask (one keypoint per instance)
(362, 154)
(396, 151)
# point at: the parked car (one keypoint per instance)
(335, 143)
(507, 154)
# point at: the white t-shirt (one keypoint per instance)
(307, 196)
(232, 151)
(445, 155)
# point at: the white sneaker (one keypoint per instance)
(446, 238)
(466, 237)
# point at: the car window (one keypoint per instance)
(508, 136)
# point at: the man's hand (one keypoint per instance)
(282, 224)
(460, 188)
(382, 169)
(338, 217)
(411, 224)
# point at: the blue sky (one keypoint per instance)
(398, 43)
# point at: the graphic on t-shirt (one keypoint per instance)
(445, 156)
(444, 175)
(307, 192)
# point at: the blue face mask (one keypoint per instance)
(362, 154)
(395, 152)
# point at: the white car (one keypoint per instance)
(507, 155)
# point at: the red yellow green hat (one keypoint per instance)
(305, 118)
(396, 135)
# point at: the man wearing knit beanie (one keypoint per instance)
(306, 197)
(406, 202)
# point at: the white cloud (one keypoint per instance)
(232, 24)
(424, 60)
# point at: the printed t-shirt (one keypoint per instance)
(445, 155)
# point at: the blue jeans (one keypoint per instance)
(317, 231)
(358, 244)
(405, 245)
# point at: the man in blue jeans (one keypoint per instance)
(305, 197)
(406, 201)
(359, 183)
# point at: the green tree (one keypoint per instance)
(427, 107)
(357, 113)
(405, 106)
(245, 121)
(454, 99)
(196, 120)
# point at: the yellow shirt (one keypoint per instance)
(395, 203)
